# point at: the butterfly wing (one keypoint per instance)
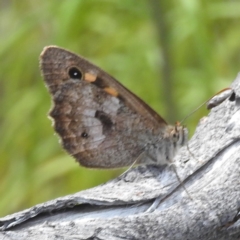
(99, 121)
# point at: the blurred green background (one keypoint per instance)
(173, 54)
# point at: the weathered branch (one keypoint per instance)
(149, 202)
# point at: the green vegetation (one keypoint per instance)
(174, 54)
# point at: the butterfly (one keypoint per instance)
(100, 122)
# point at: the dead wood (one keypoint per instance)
(149, 202)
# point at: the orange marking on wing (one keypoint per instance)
(111, 91)
(90, 77)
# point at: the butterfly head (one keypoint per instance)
(174, 138)
(177, 136)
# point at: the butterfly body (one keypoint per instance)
(100, 122)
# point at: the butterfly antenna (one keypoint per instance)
(230, 95)
(223, 90)
(194, 111)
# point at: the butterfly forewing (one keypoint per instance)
(100, 122)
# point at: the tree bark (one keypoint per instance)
(149, 202)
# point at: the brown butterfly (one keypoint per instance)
(100, 122)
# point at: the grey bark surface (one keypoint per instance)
(149, 202)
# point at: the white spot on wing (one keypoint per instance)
(89, 112)
(111, 105)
